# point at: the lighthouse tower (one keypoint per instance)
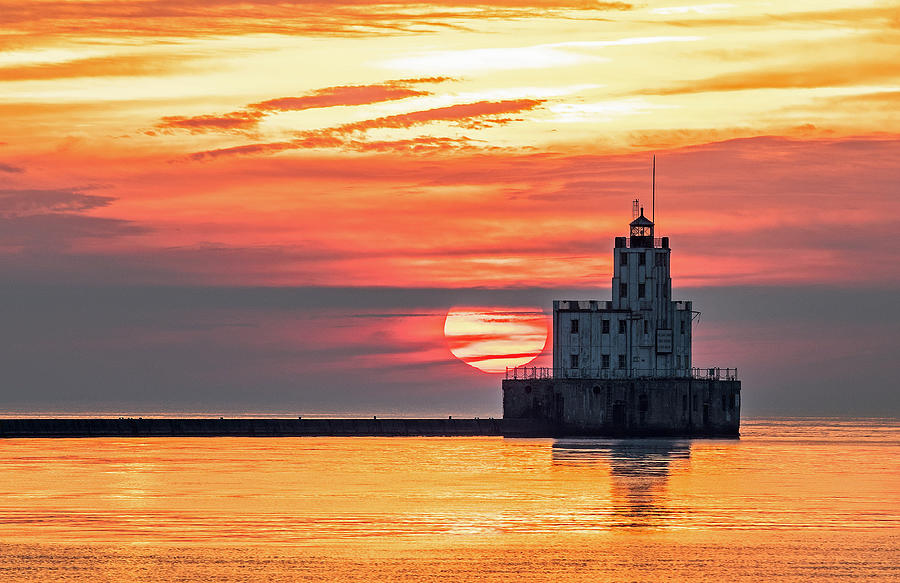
(641, 332)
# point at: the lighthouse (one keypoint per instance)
(624, 366)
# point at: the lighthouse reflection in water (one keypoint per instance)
(639, 474)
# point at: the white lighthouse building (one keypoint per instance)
(642, 332)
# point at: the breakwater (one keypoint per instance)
(137, 427)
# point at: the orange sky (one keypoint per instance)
(445, 145)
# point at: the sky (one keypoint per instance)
(224, 207)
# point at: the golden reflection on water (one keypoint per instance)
(825, 489)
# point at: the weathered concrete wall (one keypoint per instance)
(246, 427)
(632, 407)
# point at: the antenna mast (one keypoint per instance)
(635, 208)
(653, 191)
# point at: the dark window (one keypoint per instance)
(621, 326)
(642, 259)
(684, 403)
(682, 326)
(605, 360)
(646, 327)
(696, 402)
(621, 361)
(623, 290)
(597, 390)
(724, 403)
(574, 328)
(624, 258)
(573, 361)
(642, 289)
(643, 403)
(605, 328)
(660, 260)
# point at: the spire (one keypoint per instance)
(653, 191)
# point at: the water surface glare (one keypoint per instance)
(792, 499)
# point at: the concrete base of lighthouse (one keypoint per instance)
(676, 407)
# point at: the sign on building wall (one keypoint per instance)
(664, 341)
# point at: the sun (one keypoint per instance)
(494, 338)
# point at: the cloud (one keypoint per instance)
(10, 168)
(352, 18)
(107, 66)
(467, 115)
(311, 141)
(855, 17)
(869, 101)
(24, 202)
(50, 220)
(344, 95)
(55, 232)
(347, 95)
(833, 74)
(237, 120)
(191, 345)
(463, 113)
(418, 145)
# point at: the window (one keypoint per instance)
(605, 327)
(623, 290)
(642, 289)
(642, 259)
(573, 361)
(621, 361)
(682, 326)
(621, 326)
(605, 360)
(684, 403)
(623, 258)
(574, 328)
(696, 402)
(646, 327)
(660, 260)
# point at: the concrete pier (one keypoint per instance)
(132, 427)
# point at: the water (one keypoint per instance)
(793, 499)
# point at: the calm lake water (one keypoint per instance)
(793, 499)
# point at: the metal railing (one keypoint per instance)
(545, 372)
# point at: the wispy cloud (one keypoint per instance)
(833, 74)
(307, 17)
(344, 95)
(467, 115)
(236, 120)
(104, 66)
(23, 202)
(349, 95)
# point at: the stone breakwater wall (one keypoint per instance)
(133, 427)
